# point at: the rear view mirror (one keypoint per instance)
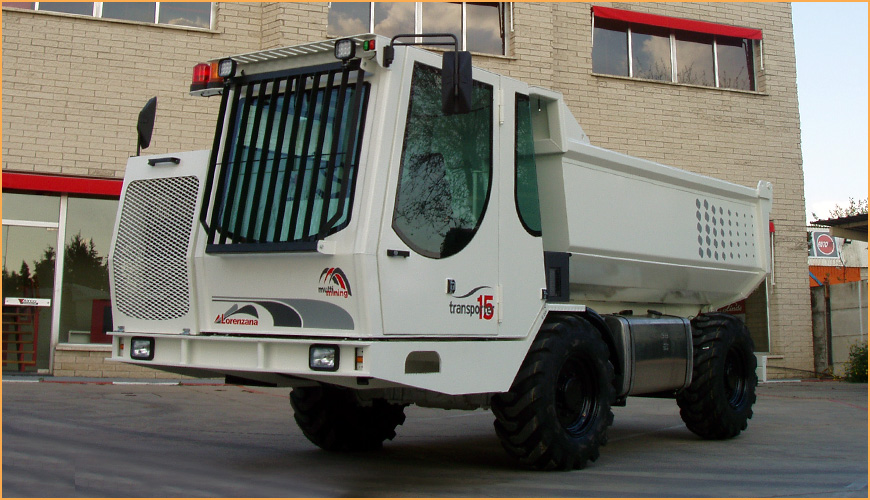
(456, 83)
(456, 86)
(145, 125)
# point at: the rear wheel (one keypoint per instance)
(335, 420)
(718, 403)
(556, 414)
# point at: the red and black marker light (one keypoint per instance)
(201, 76)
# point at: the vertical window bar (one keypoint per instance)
(463, 25)
(418, 21)
(279, 155)
(673, 39)
(351, 155)
(230, 171)
(212, 162)
(258, 187)
(318, 155)
(715, 63)
(300, 180)
(294, 163)
(222, 177)
(630, 60)
(337, 123)
(751, 63)
(244, 199)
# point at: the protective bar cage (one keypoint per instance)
(285, 159)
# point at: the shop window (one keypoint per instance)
(31, 207)
(478, 26)
(446, 169)
(652, 47)
(85, 311)
(193, 14)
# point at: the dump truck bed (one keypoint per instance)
(642, 233)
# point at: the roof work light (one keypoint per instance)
(226, 68)
(345, 49)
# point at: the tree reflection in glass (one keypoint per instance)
(446, 169)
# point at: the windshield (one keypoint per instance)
(288, 162)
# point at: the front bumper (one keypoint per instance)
(448, 366)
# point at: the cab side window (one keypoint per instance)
(526, 194)
(446, 169)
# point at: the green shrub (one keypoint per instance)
(856, 368)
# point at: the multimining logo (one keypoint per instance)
(334, 283)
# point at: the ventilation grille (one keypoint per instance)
(150, 267)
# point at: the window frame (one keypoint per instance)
(672, 37)
(419, 24)
(97, 12)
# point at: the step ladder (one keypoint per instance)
(20, 332)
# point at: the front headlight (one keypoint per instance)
(142, 348)
(323, 358)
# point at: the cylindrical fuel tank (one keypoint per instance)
(655, 353)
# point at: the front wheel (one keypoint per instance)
(718, 403)
(556, 414)
(334, 419)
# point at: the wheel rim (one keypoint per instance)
(577, 397)
(736, 382)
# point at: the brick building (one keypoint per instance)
(707, 87)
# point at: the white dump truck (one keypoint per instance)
(378, 225)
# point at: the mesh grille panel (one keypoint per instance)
(150, 261)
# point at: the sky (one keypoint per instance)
(831, 53)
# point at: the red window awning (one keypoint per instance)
(676, 23)
(62, 184)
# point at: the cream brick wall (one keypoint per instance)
(73, 87)
(82, 363)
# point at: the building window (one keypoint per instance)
(652, 47)
(193, 14)
(478, 26)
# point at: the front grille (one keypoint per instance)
(150, 267)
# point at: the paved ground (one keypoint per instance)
(72, 439)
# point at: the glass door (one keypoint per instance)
(28, 289)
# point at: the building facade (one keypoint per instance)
(706, 87)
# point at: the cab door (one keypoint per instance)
(438, 251)
(521, 249)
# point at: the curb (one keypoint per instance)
(103, 381)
